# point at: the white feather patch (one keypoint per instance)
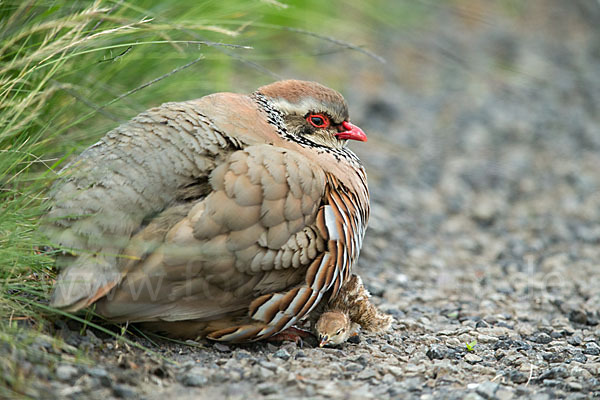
(330, 223)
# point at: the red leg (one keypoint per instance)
(291, 334)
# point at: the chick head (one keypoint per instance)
(333, 328)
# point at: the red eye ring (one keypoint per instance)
(318, 120)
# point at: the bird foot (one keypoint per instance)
(291, 334)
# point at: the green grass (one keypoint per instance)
(72, 70)
(471, 345)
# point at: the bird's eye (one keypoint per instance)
(339, 332)
(318, 120)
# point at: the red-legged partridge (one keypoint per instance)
(230, 216)
(348, 313)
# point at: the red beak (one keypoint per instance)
(352, 132)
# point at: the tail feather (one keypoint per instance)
(87, 278)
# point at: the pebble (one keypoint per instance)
(124, 391)
(414, 369)
(487, 389)
(525, 329)
(556, 334)
(66, 372)
(70, 391)
(540, 396)
(542, 338)
(263, 373)
(412, 384)
(396, 371)
(221, 376)
(435, 352)
(578, 316)
(300, 354)
(472, 396)
(100, 374)
(518, 377)
(409, 349)
(592, 349)
(43, 342)
(87, 382)
(554, 357)
(363, 360)
(367, 373)
(356, 340)
(281, 353)
(268, 365)
(581, 373)
(594, 368)
(505, 393)
(521, 345)
(473, 358)
(386, 348)
(241, 354)
(552, 382)
(486, 339)
(221, 347)
(575, 340)
(553, 373)
(196, 377)
(267, 388)
(354, 367)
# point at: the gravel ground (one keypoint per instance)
(483, 163)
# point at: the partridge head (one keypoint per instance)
(230, 216)
(318, 118)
